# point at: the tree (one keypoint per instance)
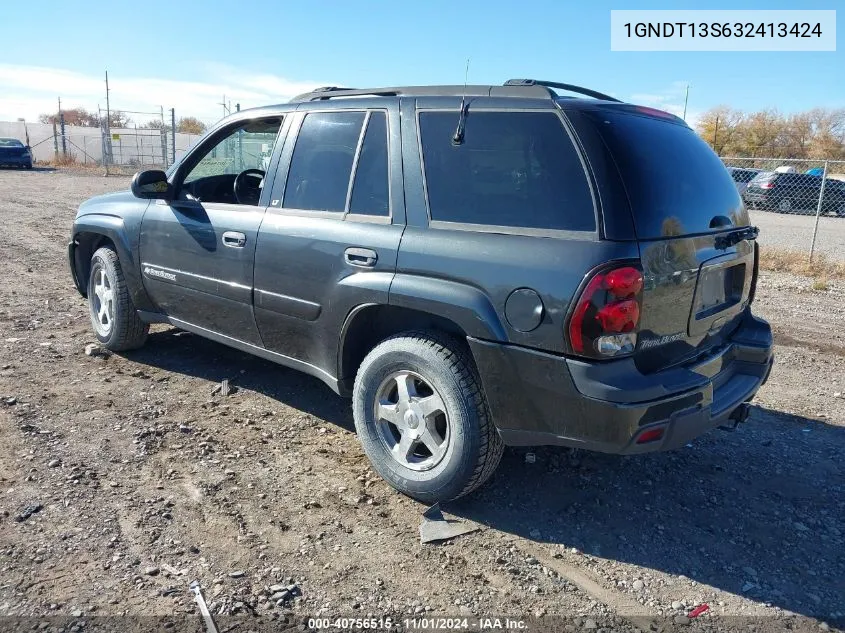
(84, 118)
(190, 125)
(721, 127)
(816, 134)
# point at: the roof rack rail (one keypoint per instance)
(554, 84)
(327, 92)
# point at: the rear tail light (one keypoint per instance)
(606, 316)
(769, 184)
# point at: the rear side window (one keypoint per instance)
(322, 161)
(514, 169)
(676, 184)
(370, 190)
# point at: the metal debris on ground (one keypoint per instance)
(224, 388)
(92, 349)
(206, 614)
(698, 610)
(436, 527)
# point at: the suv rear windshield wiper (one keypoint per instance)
(735, 237)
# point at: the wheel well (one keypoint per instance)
(86, 245)
(370, 325)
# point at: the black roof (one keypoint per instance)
(526, 88)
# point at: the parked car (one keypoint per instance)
(742, 177)
(474, 266)
(14, 153)
(795, 193)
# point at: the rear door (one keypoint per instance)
(332, 231)
(684, 205)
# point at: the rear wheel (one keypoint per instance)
(785, 205)
(422, 418)
(113, 316)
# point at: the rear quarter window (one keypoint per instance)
(513, 169)
(675, 183)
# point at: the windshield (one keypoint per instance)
(676, 184)
(10, 142)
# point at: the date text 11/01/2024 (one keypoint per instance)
(419, 624)
(723, 29)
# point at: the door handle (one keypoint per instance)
(234, 239)
(361, 257)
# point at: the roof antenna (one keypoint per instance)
(458, 138)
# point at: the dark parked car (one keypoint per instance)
(475, 266)
(742, 177)
(795, 193)
(13, 153)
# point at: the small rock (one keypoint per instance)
(11, 401)
(638, 585)
(465, 611)
(531, 560)
(282, 595)
(277, 588)
(836, 394)
(54, 463)
(589, 623)
(237, 574)
(681, 620)
(28, 511)
(76, 613)
(194, 549)
(151, 571)
(824, 626)
(677, 606)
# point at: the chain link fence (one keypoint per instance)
(779, 191)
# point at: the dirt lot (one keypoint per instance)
(123, 479)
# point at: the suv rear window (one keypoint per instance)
(513, 169)
(676, 184)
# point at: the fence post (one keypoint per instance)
(173, 132)
(818, 212)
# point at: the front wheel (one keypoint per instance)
(422, 418)
(113, 316)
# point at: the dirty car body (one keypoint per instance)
(597, 297)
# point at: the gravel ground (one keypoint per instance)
(124, 478)
(796, 232)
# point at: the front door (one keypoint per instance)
(330, 238)
(198, 250)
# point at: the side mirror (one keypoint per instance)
(151, 185)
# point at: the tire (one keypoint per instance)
(785, 205)
(437, 372)
(113, 316)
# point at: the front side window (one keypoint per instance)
(513, 169)
(321, 166)
(232, 169)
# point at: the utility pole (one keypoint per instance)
(686, 99)
(107, 153)
(716, 134)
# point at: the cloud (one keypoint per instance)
(32, 90)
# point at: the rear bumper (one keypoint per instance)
(17, 161)
(542, 399)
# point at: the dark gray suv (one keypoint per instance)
(475, 266)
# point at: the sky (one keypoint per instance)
(188, 54)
